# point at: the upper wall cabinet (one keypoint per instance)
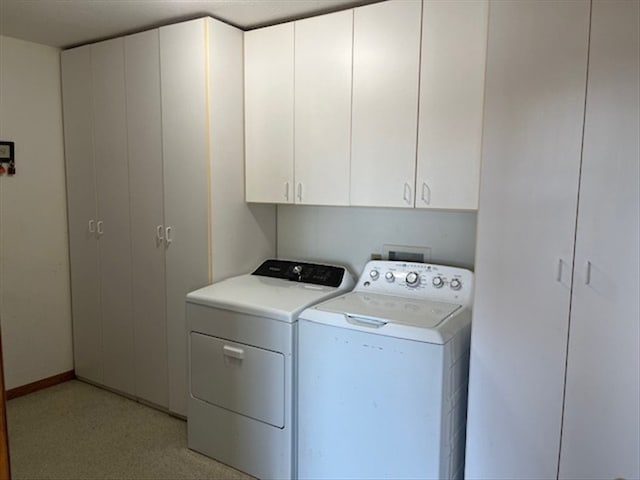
(454, 40)
(268, 84)
(323, 51)
(386, 59)
(332, 113)
(306, 160)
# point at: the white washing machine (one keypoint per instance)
(241, 361)
(382, 376)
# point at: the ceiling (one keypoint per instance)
(68, 23)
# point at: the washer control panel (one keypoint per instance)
(418, 280)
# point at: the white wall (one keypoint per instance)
(349, 235)
(35, 311)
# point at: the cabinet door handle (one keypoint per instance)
(299, 191)
(286, 191)
(233, 352)
(92, 226)
(426, 193)
(100, 229)
(159, 233)
(587, 273)
(167, 235)
(407, 193)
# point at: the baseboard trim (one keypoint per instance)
(40, 384)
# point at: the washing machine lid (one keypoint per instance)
(264, 296)
(401, 317)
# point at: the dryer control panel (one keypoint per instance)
(313, 273)
(418, 280)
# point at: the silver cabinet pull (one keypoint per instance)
(167, 236)
(159, 233)
(299, 191)
(407, 193)
(286, 191)
(426, 193)
(587, 273)
(92, 226)
(559, 274)
(100, 229)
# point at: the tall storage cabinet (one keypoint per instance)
(601, 424)
(176, 122)
(553, 386)
(183, 73)
(144, 142)
(82, 213)
(98, 197)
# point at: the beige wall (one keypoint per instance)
(349, 236)
(35, 311)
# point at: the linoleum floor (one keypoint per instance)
(78, 431)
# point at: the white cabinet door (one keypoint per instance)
(186, 185)
(535, 93)
(144, 126)
(112, 174)
(454, 39)
(386, 57)
(323, 60)
(269, 114)
(601, 429)
(81, 204)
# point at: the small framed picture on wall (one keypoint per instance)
(6, 152)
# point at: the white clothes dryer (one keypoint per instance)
(382, 377)
(241, 334)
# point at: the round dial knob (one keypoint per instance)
(390, 277)
(455, 284)
(437, 282)
(374, 274)
(412, 279)
(297, 269)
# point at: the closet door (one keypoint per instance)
(601, 429)
(144, 126)
(186, 185)
(81, 205)
(386, 58)
(454, 42)
(268, 80)
(112, 174)
(323, 60)
(535, 93)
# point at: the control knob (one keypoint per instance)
(374, 274)
(412, 279)
(455, 284)
(437, 282)
(390, 277)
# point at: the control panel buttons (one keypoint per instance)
(412, 279)
(390, 277)
(455, 284)
(437, 282)
(374, 274)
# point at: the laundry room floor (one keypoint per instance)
(77, 431)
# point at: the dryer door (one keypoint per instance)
(238, 377)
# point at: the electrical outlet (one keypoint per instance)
(406, 253)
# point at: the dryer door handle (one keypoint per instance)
(233, 352)
(365, 321)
